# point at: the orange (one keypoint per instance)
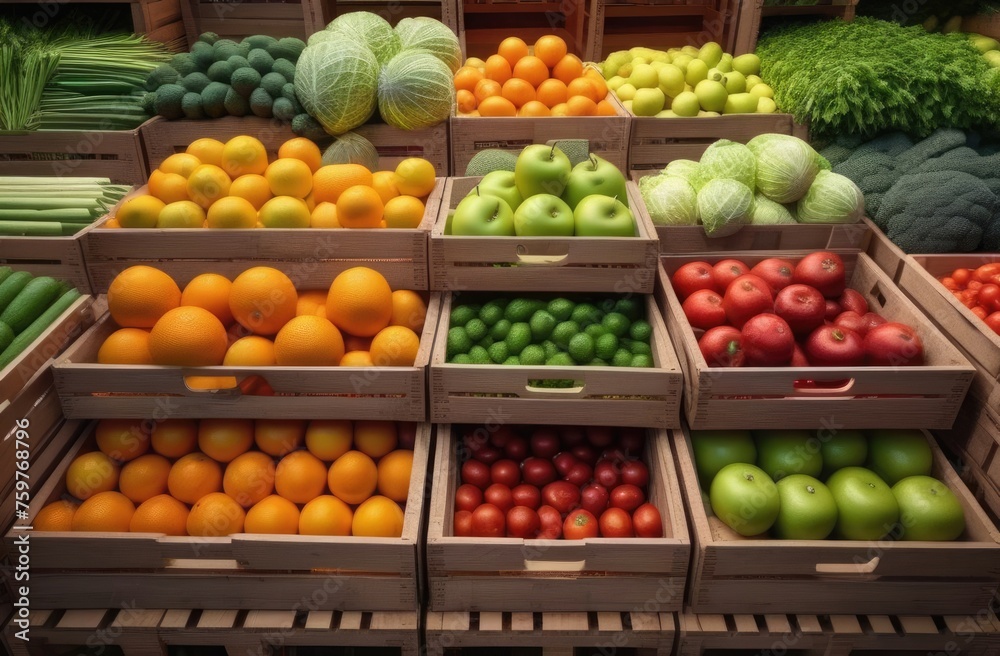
(273, 515)
(395, 346)
(551, 92)
(467, 77)
(105, 512)
(518, 92)
(112, 223)
(252, 187)
(210, 382)
(300, 477)
(144, 478)
(279, 437)
(357, 359)
(325, 515)
(249, 478)
(568, 69)
(263, 300)
(384, 182)
(359, 206)
(188, 337)
(284, 212)
(378, 517)
(215, 515)
(353, 477)
(242, 155)
(581, 106)
(207, 184)
(328, 439)
(181, 214)
(403, 212)
(531, 69)
(225, 439)
(466, 101)
(550, 49)
(582, 86)
(562, 109)
(310, 203)
(415, 176)
(90, 474)
(126, 346)
(324, 215)
(168, 187)
(513, 49)
(394, 471)
(304, 150)
(355, 343)
(360, 302)
(606, 108)
(497, 106)
(160, 514)
(210, 291)
(208, 150)
(289, 177)
(331, 180)
(122, 439)
(408, 309)
(180, 164)
(308, 341)
(598, 82)
(498, 69)
(534, 108)
(140, 212)
(193, 476)
(486, 89)
(310, 301)
(250, 351)
(375, 438)
(174, 438)
(57, 516)
(232, 212)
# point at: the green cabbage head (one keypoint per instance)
(766, 212)
(832, 198)
(371, 30)
(786, 166)
(433, 36)
(683, 168)
(726, 159)
(725, 206)
(415, 90)
(336, 81)
(671, 201)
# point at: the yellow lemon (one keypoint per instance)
(181, 214)
(284, 212)
(140, 212)
(232, 212)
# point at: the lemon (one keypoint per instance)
(285, 212)
(403, 212)
(232, 212)
(181, 214)
(140, 212)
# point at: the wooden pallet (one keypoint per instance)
(753, 11)
(114, 154)
(483, 24)
(236, 19)
(139, 632)
(926, 396)
(649, 633)
(393, 11)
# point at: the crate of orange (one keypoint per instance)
(236, 204)
(149, 513)
(254, 345)
(523, 95)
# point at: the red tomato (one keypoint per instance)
(776, 272)
(616, 523)
(974, 284)
(746, 297)
(476, 473)
(468, 497)
(580, 525)
(551, 523)
(632, 440)
(984, 273)
(970, 298)
(628, 497)
(544, 443)
(580, 474)
(463, 524)
(647, 522)
(962, 277)
(704, 310)
(594, 498)
(488, 521)
(500, 496)
(506, 472)
(487, 453)
(635, 472)
(586, 453)
(523, 523)
(607, 473)
(407, 433)
(600, 436)
(980, 311)
(691, 277)
(561, 495)
(989, 296)
(949, 283)
(516, 448)
(527, 495)
(824, 271)
(501, 435)
(564, 462)
(993, 321)
(726, 271)
(538, 471)
(572, 435)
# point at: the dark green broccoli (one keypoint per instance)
(147, 102)
(226, 48)
(283, 109)
(260, 61)
(991, 236)
(286, 68)
(160, 76)
(184, 63)
(204, 55)
(238, 62)
(273, 83)
(208, 37)
(220, 71)
(191, 105)
(890, 143)
(213, 99)
(195, 82)
(235, 104)
(865, 163)
(259, 41)
(260, 103)
(245, 80)
(168, 101)
(935, 145)
(836, 153)
(306, 126)
(288, 48)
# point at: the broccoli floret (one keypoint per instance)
(836, 154)
(933, 146)
(968, 161)
(273, 83)
(991, 236)
(147, 102)
(208, 37)
(225, 48)
(259, 41)
(195, 82)
(890, 143)
(184, 63)
(260, 61)
(283, 109)
(168, 101)
(213, 99)
(160, 76)
(220, 71)
(288, 48)
(286, 68)
(238, 62)
(863, 164)
(235, 104)
(306, 126)
(204, 55)
(191, 105)
(245, 80)
(260, 103)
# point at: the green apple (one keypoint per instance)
(690, 51)
(785, 452)
(928, 510)
(627, 104)
(844, 448)
(615, 81)
(953, 24)
(696, 72)
(714, 449)
(626, 92)
(681, 61)
(595, 175)
(541, 169)
(895, 454)
(639, 61)
(866, 507)
(624, 70)
(666, 113)
(705, 113)
(711, 53)
(598, 215)
(502, 185)
(745, 498)
(983, 43)
(735, 82)
(761, 91)
(484, 216)
(544, 215)
(748, 64)
(613, 62)
(661, 57)
(448, 222)
(685, 104)
(806, 511)
(688, 87)
(643, 76)
(657, 65)
(711, 95)
(671, 80)
(766, 106)
(726, 63)
(715, 74)
(752, 81)
(648, 102)
(740, 103)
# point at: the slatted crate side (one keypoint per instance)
(483, 25)
(927, 396)
(163, 21)
(393, 11)
(641, 397)
(752, 12)
(58, 257)
(114, 154)
(661, 24)
(531, 575)
(236, 19)
(704, 634)
(888, 256)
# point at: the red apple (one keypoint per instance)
(768, 341)
(833, 310)
(824, 271)
(870, 320)
(722, 346)
(746, 297)
(775, 271)
(852, 321)
(833, 346)
(893, 345)
(799, 358)
(802, 307)
(852, 300)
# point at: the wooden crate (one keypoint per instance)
(926, 396)
(556, 575)
(483, 24)
(310, 257)
(619, 396)
(236, 19)
(58, 257)
(159, 20)
(734, 574)
(753, 11)
(393, 11)
(139, 632)
(888, 256)
(114, 154)
(270, 572)
(985, 24)
(642, 632)
(611, 264)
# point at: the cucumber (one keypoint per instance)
(12, 286)
(5, 273)
(6, 336)
(37, 327)
(29, 304)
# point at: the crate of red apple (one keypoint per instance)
(811, 334)
(573, 518)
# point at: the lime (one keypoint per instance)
(597, 362)
(581, 348)
(491, 313)
(550, 348)
(461, 315)
(595, 330)
(521, 309)
(498, 352)
(564, 332)
(486, 342)
(542, 324)
(533, 354)
(585, 314)
(512, 360)
(641, 361)
(479, 355)
(500, 329)
(640, 331)
(606, 346)
(623, 358)
(560, 360)
(476, 329)
(458, 341)
(561, 308)
(616, 323)
(518, 337)
(639, 348)
(630, 307)
(461, 358)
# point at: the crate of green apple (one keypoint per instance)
(545, 225)
(790, 336)
(833, 521)
(573, 518)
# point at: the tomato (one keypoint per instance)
(500, 496)
(407, 433)
(628, 497)
(463, 524)
(647, 522)
(607, 473)
(561, 495)
(970, 298)
(980, 311)
(580, 474)
(564, 462)
(616, 523)
(722, 346)
(824, 271)
(527, 495)
(523, 523)
(468, 497)
(506, 472)
(538, 471)
(632, 440)
(487, 453)
(594, 498)
(501, 435)
(961, 277)
(777, 273)
(691, 277)
(572, 435)
(580, 525)
(488, 521)
(600, 437)
(746, 297)
(476, 473)
(586, 453)
(986, 271)
(726, 271)
(993, 321)
(989, 296)
(552, 523)
(949, 283)
(635, 473)
(544, 443)
(974, 285)
(516, 448)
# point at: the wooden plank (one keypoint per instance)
(645, 622)
(564, 622)
(350, 621)
(918, 624)
(778, 624)
(522, 622)
(711, 623)
(845, 624)
(454, 621)
(490, 621)
(393, 621)
(82, 619)
(881, 624)
(809, 624)
(609, 622)
(746, 624)
(131, 619)
(217, 619)
(175, 618)
(319, 620)
(269, 619)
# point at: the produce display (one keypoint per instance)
(546, 196)
(774, 179)
(875, 484)
(572, 483)
(218, 477)
(688, 81)
(232, 185)
(542, 80)
(54, 206)
(28, 306)
(259, 319)
(783, 313)
(557, 331)
(979, 290)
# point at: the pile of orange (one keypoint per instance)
(259, 319)
(216, 477)
(543, 80)
(233, 185)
